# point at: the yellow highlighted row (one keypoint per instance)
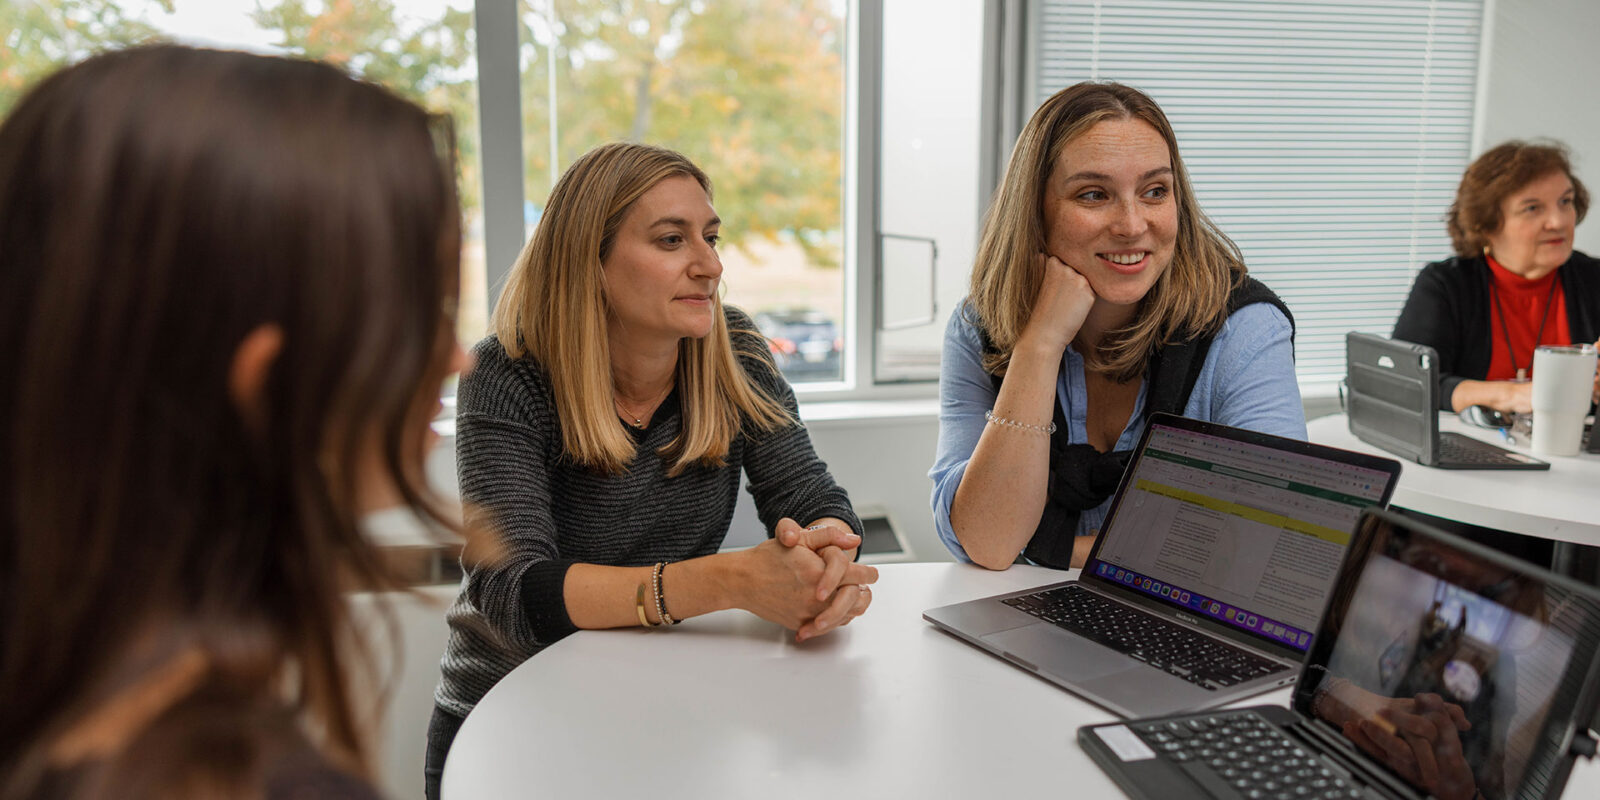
(1254, 514)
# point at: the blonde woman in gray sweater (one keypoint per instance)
(602, 432)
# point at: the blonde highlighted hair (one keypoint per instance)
(554, 309)
(1189, 299)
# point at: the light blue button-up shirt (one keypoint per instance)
(1247, 381)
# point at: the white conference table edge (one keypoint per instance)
(1559, 504)
(726, 705)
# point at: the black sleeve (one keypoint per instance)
(1580, 280)
(1432, 316)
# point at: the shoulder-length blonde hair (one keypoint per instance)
(1190, 298)
(554, 310)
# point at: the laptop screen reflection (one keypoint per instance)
(1444, 665)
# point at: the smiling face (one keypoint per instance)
(662, 272)
(1539, 220)
(1110, 211)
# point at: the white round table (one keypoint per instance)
(726, 705)
(1562, 503)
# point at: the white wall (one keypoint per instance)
(883, 464)
(882, 461)
(1537, 82)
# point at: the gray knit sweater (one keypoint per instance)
(552, 514)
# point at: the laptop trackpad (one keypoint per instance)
(1049, 649)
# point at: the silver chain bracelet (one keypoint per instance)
(1022, 426)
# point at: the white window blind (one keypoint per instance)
(1325, 137)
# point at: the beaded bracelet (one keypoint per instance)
(1021, 426)
(661, 602)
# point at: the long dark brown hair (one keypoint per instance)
(157, 205)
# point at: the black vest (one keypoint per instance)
(1082, 477)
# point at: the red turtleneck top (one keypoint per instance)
(1524, 304)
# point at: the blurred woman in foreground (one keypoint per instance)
(227, 286)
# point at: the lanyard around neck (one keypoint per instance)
(1494, 292)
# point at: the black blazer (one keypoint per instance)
(1448, 310)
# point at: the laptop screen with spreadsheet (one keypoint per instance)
(1247, 533)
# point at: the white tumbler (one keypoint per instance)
(1563, 381)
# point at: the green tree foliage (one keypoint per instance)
(430, 63)
(752, 90)
(37, 37)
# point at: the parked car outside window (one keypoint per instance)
(805, 343)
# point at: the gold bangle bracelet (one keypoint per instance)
(638, 605)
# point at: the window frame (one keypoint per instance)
(500, 120)
(497, 29)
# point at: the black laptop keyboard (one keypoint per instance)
(1239, 754)
(1454, 448)
(1170, 648)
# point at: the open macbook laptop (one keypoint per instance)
(1206, 580)
(1440, 668)
(1394, 401)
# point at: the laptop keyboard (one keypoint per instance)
(1240, 754)
(1173, 649)
(1454, 448)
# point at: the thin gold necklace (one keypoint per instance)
(638, 419)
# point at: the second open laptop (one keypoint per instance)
(1206, 579)
(1441, 668)
(1394, 401)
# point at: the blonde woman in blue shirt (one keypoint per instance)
(1101, 294)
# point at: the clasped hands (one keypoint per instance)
(805, 579)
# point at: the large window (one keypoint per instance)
(754, 92)
(421, 49)
(840, 135)
(843, 136)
